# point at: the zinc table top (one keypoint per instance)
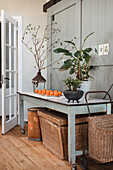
(63, 100)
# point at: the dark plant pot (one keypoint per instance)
(73, 95)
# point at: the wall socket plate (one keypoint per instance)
(106, 49)
(101, 49)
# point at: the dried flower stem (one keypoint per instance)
(39, 44)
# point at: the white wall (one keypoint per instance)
(32, 13)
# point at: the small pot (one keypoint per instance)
(73, 95)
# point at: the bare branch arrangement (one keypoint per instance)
(38, 45)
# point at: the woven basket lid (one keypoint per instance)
(104, 122)
(53, 116)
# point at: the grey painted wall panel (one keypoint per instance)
(96, 16)
(68, 21)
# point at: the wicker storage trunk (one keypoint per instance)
(101, 138)
(54, 128)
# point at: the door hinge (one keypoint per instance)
(53, 17)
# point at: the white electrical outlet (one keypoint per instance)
(101, 49)
(106, 49)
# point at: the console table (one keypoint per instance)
(71, 109)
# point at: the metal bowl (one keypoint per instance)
(73, 95)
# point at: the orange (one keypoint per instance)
(47, 94)
(51, 93)
(40, 91)
(56, 94)
(47, 91)
(55, 91)
(44, 90)
(36, 90)
(60, 93)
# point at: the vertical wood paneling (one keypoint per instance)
(97, 18)
(101, 11)
(86, 20)
(68, 21)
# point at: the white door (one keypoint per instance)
(9, 72)
(67, 17)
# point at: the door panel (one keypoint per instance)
(9, 73)
(68, 21)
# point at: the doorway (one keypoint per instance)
(12, 38)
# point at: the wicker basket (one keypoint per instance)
(100, 134)
(54, 128)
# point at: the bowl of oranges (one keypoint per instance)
(49, 93)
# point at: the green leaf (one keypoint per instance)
(70, 42)
(88, 50)
(60, 50)
(76, 84)
(88, 36)
(68, 54)
(72, 70)
(68, 61)
(83, 72)
(77, 53)
(80, 59)
(86, 56)
(65, 67)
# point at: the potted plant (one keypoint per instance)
(78, 61)
(73, 93)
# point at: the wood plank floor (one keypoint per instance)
(18, 153)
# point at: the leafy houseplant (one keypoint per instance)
(78, 64)
(73, 93)
(72, 84)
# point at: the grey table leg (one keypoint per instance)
(108, 108)
(22, 116)
(71, 137)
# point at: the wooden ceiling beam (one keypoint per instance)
(49, 4)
